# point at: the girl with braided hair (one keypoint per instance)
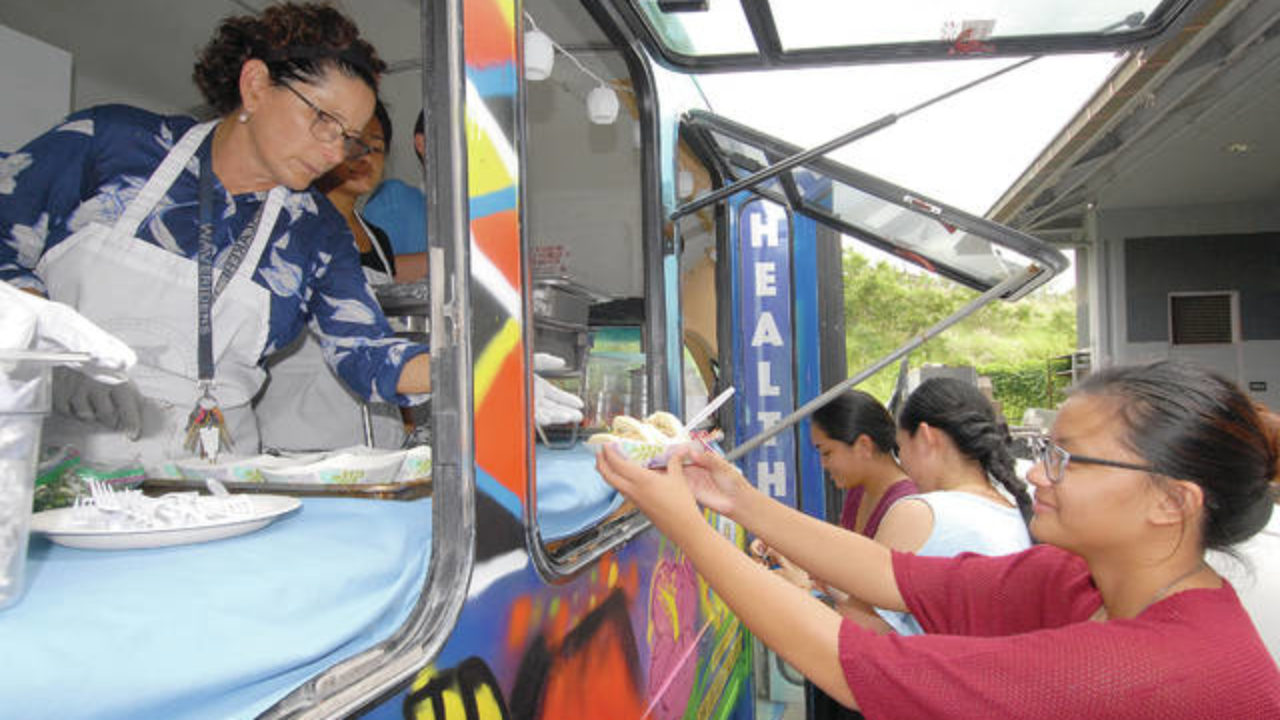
(953, 445)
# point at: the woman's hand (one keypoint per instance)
(663, 497)
(780, 565)
(716, 483)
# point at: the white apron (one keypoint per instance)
(305, 406)
(146, 296)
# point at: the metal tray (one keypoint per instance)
(404, 298)
(384, 491)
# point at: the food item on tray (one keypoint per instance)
(660, 427)
(651, 440)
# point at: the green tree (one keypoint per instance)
(1010, 342)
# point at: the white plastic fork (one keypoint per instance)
(104, 498)
(231, 504)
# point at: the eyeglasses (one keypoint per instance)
(326, 128)
(1055, 460)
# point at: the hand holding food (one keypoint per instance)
(652, 440)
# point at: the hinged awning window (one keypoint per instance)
(747, 34)
(939, 238)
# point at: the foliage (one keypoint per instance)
(885, 306)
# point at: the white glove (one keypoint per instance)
(29, 322)
(553, 406)
(546, 361)
(114, 406)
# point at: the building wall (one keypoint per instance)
(38, 97)
(1149, 252)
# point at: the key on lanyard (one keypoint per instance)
(207, 428)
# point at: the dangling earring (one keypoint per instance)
(243, 117)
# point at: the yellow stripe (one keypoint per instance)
(454, 709)
(488, 706)
(486, 171)
(508, 9)
(495, 353)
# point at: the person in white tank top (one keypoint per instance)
(957, 450)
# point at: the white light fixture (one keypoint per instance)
(602, 105)
(539, 55)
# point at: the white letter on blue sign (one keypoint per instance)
(764, 381)
(771, 477)
(766, 279)
(766, 332)
(769, 418)
(764, 229)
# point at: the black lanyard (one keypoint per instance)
(206, 427)
(206, 292)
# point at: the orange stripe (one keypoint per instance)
(501, 438)
(489, 35)
(498, 236)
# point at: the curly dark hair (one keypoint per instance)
(297, 41)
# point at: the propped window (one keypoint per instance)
(742, 34)
(929, 233)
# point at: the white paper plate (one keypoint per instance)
(654, 455)
(360, 467)
(416, 465)
(59, 527)
(233, 468)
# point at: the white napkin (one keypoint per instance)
(29, 322)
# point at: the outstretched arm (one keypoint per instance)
(798, 627)
(845, 560)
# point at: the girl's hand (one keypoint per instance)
(663, 497)
(780, 565)
(715, 482)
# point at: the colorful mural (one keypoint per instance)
(502, 435)
(637, 634)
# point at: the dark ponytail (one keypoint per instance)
(967, 417)
(853, 413)
(1192, 424)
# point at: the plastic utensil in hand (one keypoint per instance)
(711, 407)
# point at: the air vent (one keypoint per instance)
(1202, 319)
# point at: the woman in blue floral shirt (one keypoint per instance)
(104, 213)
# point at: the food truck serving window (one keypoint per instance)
(584, 224)
(723, 34)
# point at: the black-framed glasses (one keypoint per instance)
(1055, 460)
(326, 128)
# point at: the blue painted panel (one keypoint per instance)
(808, 359)
(764, 343)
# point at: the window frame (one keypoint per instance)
(701, 125)
(771, 55)
(558, 561)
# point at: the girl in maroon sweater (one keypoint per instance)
(1115, 616)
